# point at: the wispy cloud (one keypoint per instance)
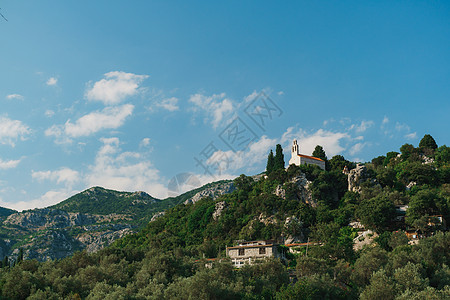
(411, 136)
(14, 97)
(216, 107)
(356, 148)
(170, 104)
(108, 118)
(12, 130)
(145, 142)
(115, 87)
(49, 113)
(362, 127)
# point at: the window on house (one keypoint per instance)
(262, 250)
(241, 251)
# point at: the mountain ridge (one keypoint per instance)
(91, 220)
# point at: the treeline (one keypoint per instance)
(407, 272)
(168, 259)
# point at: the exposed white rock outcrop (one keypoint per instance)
(220, 206)
(213, 192)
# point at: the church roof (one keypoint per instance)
(311, 157)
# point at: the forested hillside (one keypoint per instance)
(350, 214)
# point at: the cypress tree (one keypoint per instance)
(319, 153)
(20, 256)
(279, 158)
(270, 163)
(428, 142)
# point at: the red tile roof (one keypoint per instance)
(311, 157)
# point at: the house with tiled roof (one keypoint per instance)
(249, 252)
(302, 159)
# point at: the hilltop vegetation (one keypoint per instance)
(166, 259)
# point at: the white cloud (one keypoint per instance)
(330, 141)
(8, 164)
(170, 104)
(251, 97)
(64, 175)
(411, 136)
(52, 81)
(216, 106)
(14, 97)
(128, 171)
(12, 130)
(252, 158)
(230, 161)
(49, 198)
(385, 120)
(115, 87)
(108, 118)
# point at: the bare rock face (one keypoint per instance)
(48, 218)
(220, 206)
(157, 215)
(96, 240)
(294, 229)
(364, 238)
(357, 176)
(213, 192)
(280, 192)
(303, 191)
(54, 234)
(301, 185)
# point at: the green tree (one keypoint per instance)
(408, 151)
(381, 287)
(270, 163)
(442, 155)
(370, 260)
(428, 142)
(319, 153)
(376, 213)
(378, 161)
(411, 277)
(338, 162)
(5, 262)
(390, 157)
(279, 158)
(20, 256)
(422, 205)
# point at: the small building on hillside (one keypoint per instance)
(301, 159)
(253, 251)
(437, 220)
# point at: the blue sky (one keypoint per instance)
(128, 94)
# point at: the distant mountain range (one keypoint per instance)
(90, 220)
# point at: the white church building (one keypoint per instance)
(301, 159)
